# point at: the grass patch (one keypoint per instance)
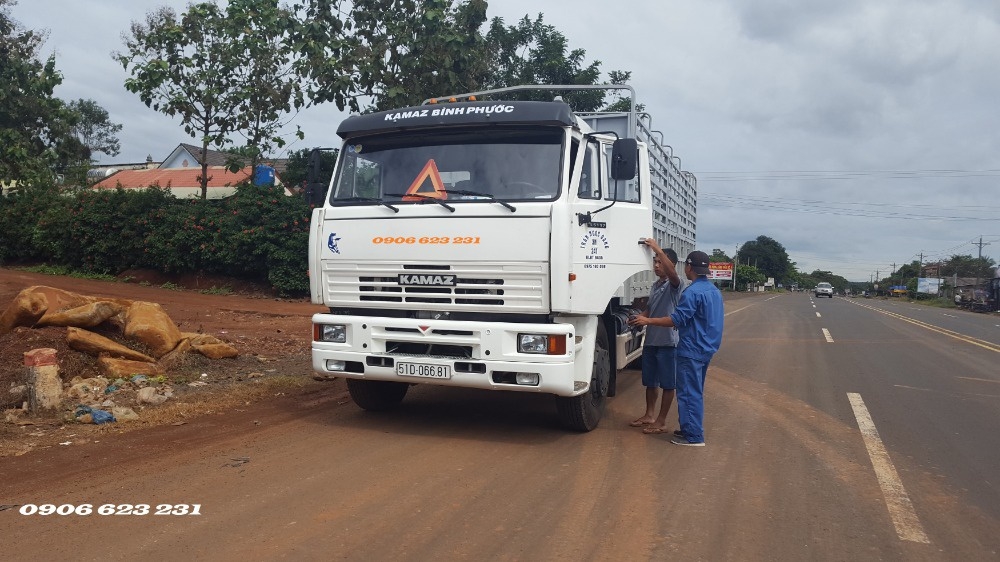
(217, 291)
(171, 286)
(65, 271)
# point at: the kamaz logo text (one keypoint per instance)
(427, 280)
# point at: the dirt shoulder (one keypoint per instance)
(271, 334)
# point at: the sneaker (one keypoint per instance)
(686, 443)
(678, 433)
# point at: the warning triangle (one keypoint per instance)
(430, 172)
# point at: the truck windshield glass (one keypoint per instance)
(508, 164)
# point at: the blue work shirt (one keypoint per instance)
(698, 318)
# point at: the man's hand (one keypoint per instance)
(652, 245)
(640, 320)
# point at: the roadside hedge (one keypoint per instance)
(258, 234)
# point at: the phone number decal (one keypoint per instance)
(425, 240)
(111, 509)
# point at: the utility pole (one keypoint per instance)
(735, 263)
(980, 244)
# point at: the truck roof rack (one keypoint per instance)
(633, 116)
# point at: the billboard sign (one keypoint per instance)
(929, 285)
(720, 271)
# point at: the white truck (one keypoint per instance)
(492, 245)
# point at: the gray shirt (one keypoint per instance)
(663, 299)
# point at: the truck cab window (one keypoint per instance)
(590, 179)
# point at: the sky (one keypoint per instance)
(859, 134)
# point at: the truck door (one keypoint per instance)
(604, 249)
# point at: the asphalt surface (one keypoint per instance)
(793, 469)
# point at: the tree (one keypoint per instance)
(968, 266)
(532, 52)
(409, 50)
(221, 72)
(31, 117)
(719, 256)
(269, 87)
(186, 67)
(768, 256)
(87, 130)
(94, 129)
(748, 276)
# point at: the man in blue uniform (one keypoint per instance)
(698, 317)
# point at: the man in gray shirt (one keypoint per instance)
(659, 366)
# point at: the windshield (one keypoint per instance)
(465, 165)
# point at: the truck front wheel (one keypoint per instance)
(583, 412)
(376, 396)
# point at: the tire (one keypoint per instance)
(583, 412)
(376, 396)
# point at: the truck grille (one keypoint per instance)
(514, 287)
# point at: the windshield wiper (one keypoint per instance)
(477, 194)
(424, 197)
(368, 200)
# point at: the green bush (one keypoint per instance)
(258, 234)
(20, 211)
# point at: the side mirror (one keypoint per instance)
(315, 189)
(624, 159)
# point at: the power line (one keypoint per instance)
(853, 209)
(819, 175)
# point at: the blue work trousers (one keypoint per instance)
(690, 397)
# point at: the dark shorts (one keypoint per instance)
(659, 367)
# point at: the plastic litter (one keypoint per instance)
(100, 416)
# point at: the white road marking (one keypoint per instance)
(952, 334)
(950, 315)
(901, 511)
(818, 315)
(826, 334)
(978, 380)
(814, 306)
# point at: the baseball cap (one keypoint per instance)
(698, 262)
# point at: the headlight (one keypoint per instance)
(532, 343)
(545, 344)
(335, 333)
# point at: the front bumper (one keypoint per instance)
(477, 354)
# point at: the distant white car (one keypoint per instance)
(824, 289)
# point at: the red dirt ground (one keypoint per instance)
(271, 334)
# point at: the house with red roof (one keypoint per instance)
(181, 171)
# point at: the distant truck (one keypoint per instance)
(489, 244)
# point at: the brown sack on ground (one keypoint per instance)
(86, 316)
(94, 344)
(124, 369)
(26, 308)
(172, 359)
(32, 303)
(148, 323)
(216, 350)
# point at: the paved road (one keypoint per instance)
(873, 441)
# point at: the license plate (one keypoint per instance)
(423, 370)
